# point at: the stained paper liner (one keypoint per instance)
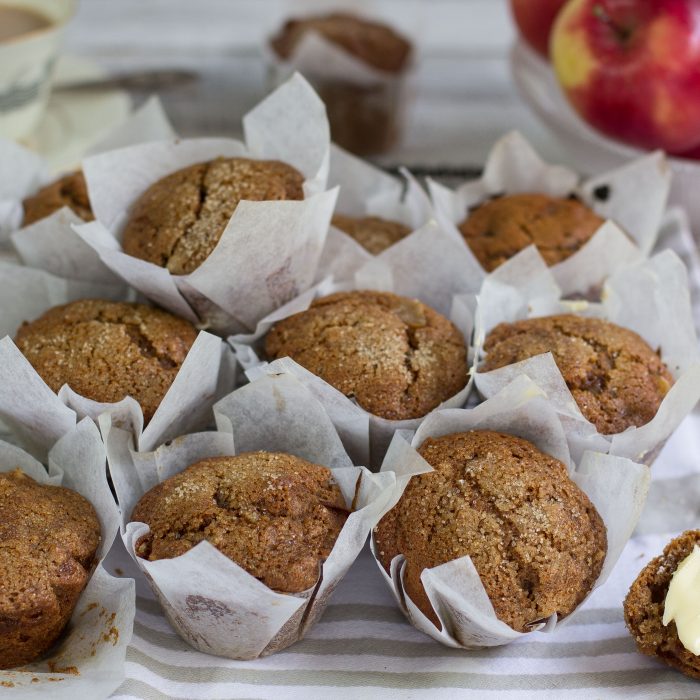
(633, 198)
(88, 660)
(650, 297)
(215, 605)
(434, 283)
(39, 417)
(616, 486)
(269, 250)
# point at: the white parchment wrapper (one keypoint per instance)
(23, 172)
(634, 197)
(38, 416)
(369, 191)
(100, 629)
(616, 486)
(269, 250)
(434, 282)
(650, 297)
(214, 604)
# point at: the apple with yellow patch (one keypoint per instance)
(631, 68)
(534, 19)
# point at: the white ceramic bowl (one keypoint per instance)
(26, 67)
(591, 151)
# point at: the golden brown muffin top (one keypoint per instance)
(48, 539)
(644, 608)
(500, 228)
(535, 539)
(277, 516)
(373, 233)
(397, 357)
(374, 43)
(177, 222)
(107, 350)
(68, 191)
(618, 381)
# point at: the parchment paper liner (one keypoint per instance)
(39, 417)
(23, 172)
(616, 486)
(434, 281)
(95, 641)
(650, 297)
(369, 191)
(269, 251)
(214, 604)
(633, 197)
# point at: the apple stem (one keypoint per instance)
(601, 13)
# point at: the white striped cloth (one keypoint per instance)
(363, 647)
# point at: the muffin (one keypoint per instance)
(395, 356)
(178, 221)
(68, 191)
(48, 539)
(644, 608)
(617, 380)
(373, 233)
(498, 229)
(106, 350)
(536, 541)
(364, 118)
(277, 516)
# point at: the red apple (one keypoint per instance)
(535, 19)
(631, 68)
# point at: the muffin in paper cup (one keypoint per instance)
(366, 106)
(212, 602)
(89, 657)
(269, 250)
(632, 200)
(23, 173)
(649, 297)
(616, 487)
(434, 282)
(38, 416)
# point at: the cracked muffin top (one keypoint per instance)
(373, 233)
(68, 191)
(500, 228)
(397, 357)
(177, 221)
(617, 380)
(644, 608)
(277, 516)
(48, 539)
(374, 43)
(535, 539)
(106, 350)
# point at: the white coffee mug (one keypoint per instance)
(26, 66)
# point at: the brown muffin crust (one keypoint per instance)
(48, 539)
(106, 350)
(68, 191)
(275, 515)
(374, 43)
(535, 539)
(177, 221)
(373, 233)
(618, 381)
(644, 608)
(396, 356)
(500, 228)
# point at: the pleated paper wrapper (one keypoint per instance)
(213, 603)
(38, 416)
(632, 199)
(88, 660)
(268, 252)
(650, 297)
(616, 486)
